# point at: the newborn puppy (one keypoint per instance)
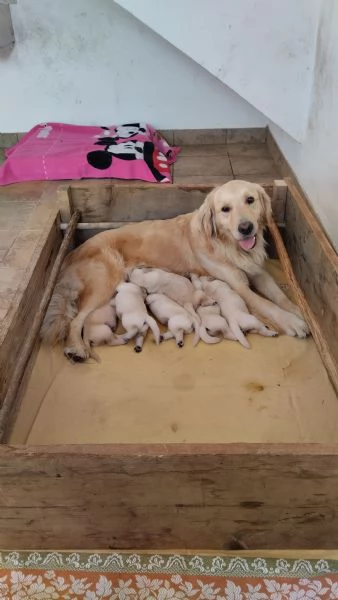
(176, 287)
(234, 310)
(178, 320)
(170, 313)
(214, 323)
(99, 325)
(130, 308)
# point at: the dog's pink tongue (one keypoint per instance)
(248, 243)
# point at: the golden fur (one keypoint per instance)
(206, 241)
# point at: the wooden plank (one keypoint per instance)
(64, 198)
(104, 202)
(11, 398)
(21, 322)
(315, 264)
(136, 202)
(176, 496)
(318, 336)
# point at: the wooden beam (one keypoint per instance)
(315, 264)
(169, 496)
(11, 396)
(318, 336)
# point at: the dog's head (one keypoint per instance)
(237, 210)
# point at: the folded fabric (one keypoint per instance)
(53, 151)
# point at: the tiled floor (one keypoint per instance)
(25, 209)
(218, 163)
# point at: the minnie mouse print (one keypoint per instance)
(129, 150)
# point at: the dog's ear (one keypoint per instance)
(266, 204)
(207, 215)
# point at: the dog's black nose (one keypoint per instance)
(245, 227)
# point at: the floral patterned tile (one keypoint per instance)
(124, 576)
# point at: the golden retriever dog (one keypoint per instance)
(223, 238)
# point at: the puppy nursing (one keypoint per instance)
(234, 310)
(131, 309)
(99, 325)
(208, 307)
(176, 287)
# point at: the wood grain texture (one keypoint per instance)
(176, 496)
(64, 198)
(317, 333)
(315, 264)
(8, 405)
(33, 291)
(106, 202)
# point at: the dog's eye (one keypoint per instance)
(226, 209)
(250, 200)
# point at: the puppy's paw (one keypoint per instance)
(80, 354)
(180, 344)
(138, 349)
(268, 332)
(295, 326)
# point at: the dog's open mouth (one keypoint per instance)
(248, 243)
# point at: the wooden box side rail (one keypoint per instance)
(106, 202)
(11, 397)
(323, 347)
(315, 264)
(176, 496)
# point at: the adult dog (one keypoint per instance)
(223, 238)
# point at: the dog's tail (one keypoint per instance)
(61, 311)
(154, 328)
(238, 333)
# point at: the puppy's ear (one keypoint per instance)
(207, 215)
(266, 204)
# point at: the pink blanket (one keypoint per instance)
(57, 151)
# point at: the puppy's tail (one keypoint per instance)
(190, 309)
(238, 333)
(61, 311)
(205, 337)
(154, 328)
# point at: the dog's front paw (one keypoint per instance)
(295, 326)
(74, 354)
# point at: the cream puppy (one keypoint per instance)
(99, 325)
(214, 323)
(176, 287)
(131, 309)
(177, 319)
(234, 310)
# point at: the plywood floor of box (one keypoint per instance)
(276, 392)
